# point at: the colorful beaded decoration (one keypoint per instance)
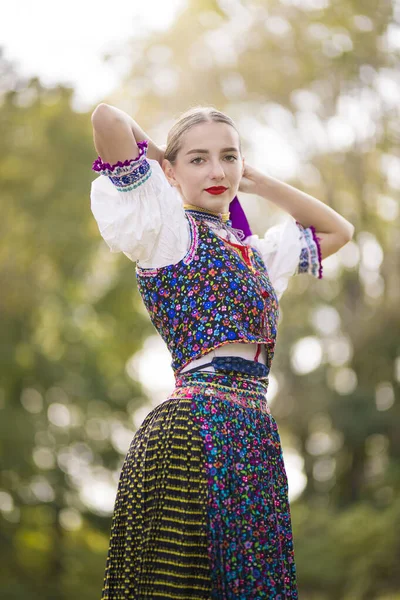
(129, 174)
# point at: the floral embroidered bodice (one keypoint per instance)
(219, 293)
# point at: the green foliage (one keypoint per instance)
(349, 554)
(71, 319)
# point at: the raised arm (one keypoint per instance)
(138, 212)
(115, 135)
(332, 230)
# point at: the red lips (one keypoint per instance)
(216, 190)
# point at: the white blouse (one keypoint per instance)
(147, 223)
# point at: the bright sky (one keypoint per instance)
(65, 42)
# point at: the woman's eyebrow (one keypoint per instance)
(202, 151)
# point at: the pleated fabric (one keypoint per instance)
(158, 545)
(202, 508)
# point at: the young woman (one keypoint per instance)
(202, 507)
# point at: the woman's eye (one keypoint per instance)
(230, 157)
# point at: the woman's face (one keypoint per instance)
(209, 158)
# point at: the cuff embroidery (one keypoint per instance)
(130, 173)
(317, 241)
(310, 256)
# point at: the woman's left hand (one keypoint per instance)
(250, 180)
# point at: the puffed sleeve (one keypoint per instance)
(288, 249)
(138, 212)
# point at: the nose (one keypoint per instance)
(216, 171)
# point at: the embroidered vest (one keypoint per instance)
(219, 293)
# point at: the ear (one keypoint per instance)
(169, 172)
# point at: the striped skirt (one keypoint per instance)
(202, 509)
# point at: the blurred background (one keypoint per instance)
(314, 87)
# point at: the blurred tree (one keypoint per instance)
(70, 322)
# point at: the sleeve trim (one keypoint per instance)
(317, 241)
(128, 175)
(119, 168)
(310, 256)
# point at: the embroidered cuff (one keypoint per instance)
(310, 260)
(129, 174)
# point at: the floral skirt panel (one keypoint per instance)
(202, 510)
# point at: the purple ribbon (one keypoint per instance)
(238, 218)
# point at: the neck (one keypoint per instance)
(224, 216)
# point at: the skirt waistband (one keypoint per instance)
(232, 386)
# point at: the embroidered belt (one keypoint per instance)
(237, 364)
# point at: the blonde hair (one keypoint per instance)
(191, 117)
